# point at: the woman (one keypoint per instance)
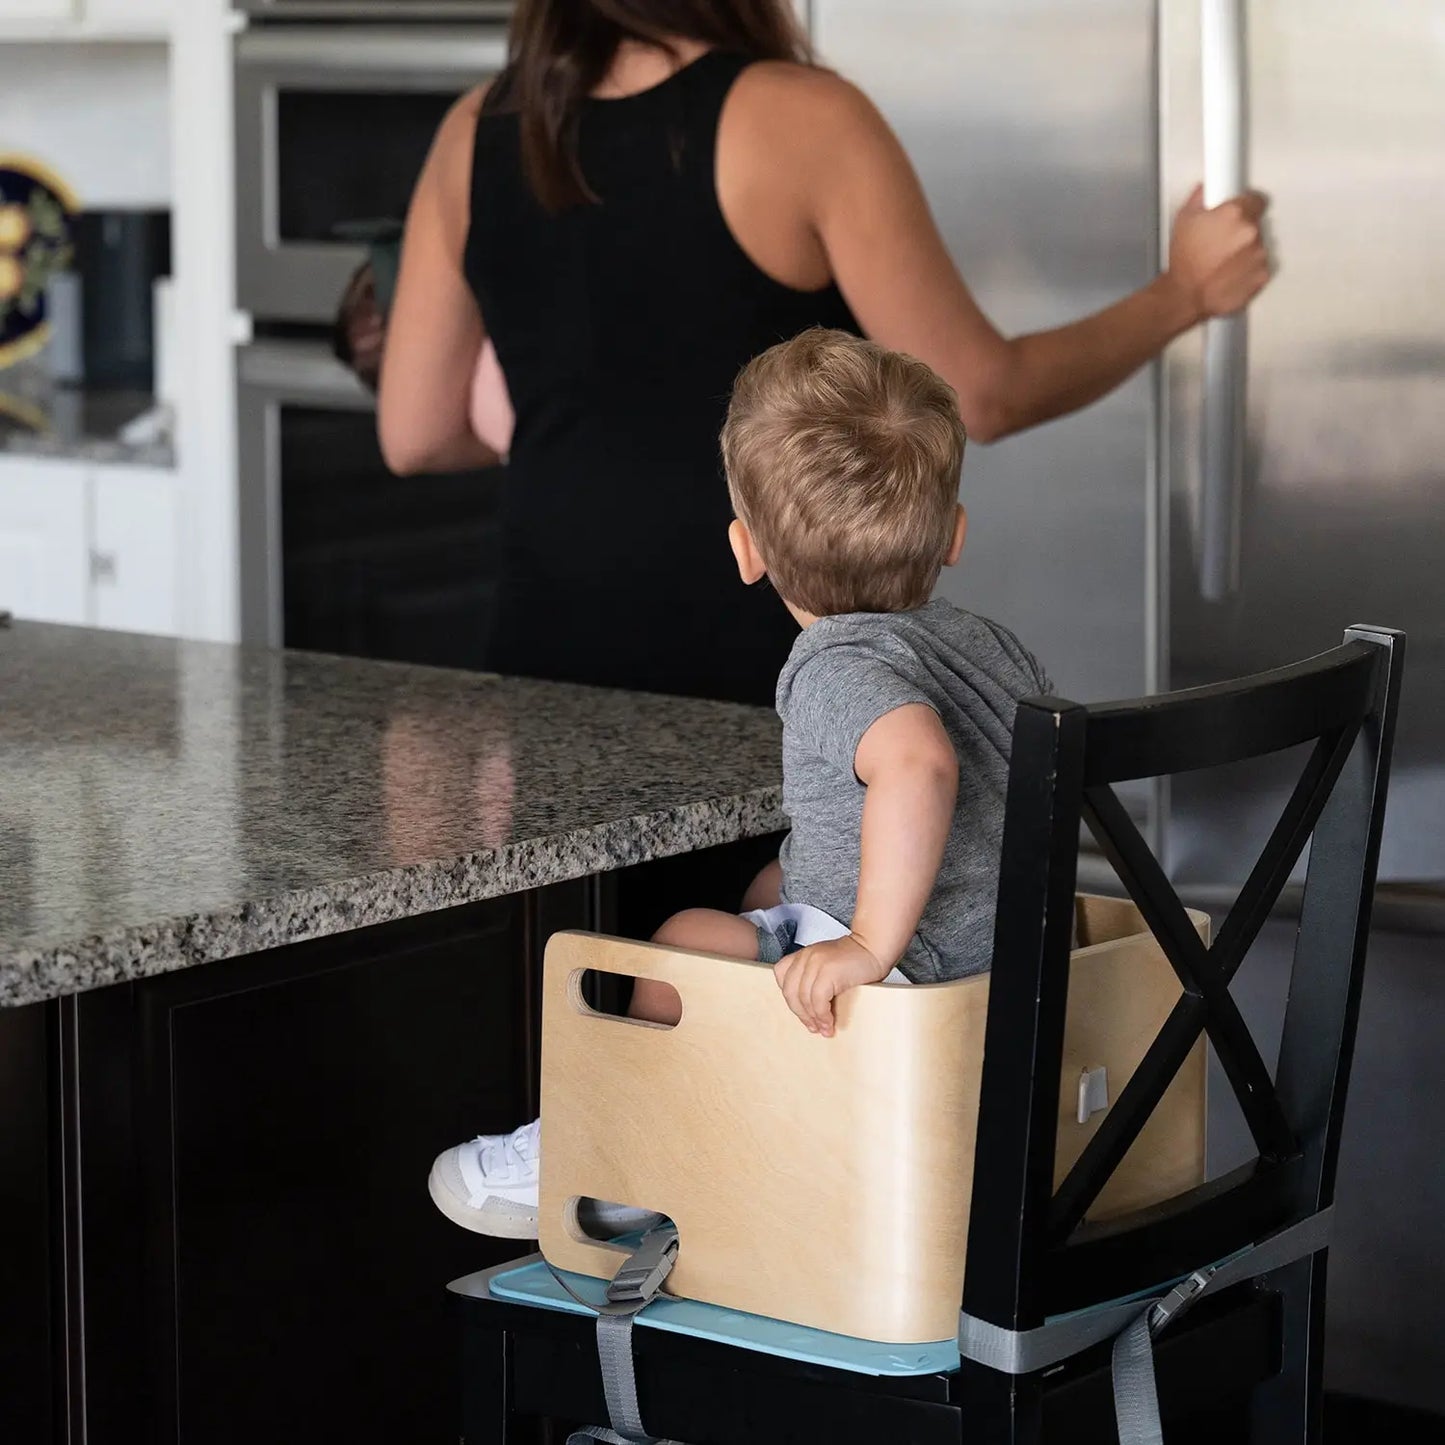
(653, 192)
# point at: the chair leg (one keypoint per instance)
(1288, 1409)
(486, 1388)
(998, 1409)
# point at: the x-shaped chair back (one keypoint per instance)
(1031, 1252)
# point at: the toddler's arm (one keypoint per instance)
(908, 765)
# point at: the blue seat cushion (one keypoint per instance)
(535, 1284)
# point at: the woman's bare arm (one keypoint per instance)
(435, 333)
(886, 254)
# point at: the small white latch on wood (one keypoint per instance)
(1093, 1092)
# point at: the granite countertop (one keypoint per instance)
(167, 803)
(40, 419)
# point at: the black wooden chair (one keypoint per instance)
(1251, 1352)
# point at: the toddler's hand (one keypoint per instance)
(813, 977)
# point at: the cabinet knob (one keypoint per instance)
(102, 566)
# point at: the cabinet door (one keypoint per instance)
(43, 540)
(225, 1112)
(29, 1211)
(133, 560)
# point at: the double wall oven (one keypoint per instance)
(400, 10)
(334, 117)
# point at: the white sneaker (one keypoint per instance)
(490, 1187)
(490, 1184)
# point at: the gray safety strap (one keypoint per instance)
(1133, 1325)
(619, 1374)
(632, 1289)
(1021, 1352)
(598, 1432)
(1136, 1395)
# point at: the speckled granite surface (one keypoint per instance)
(39, 419)
(164, 804)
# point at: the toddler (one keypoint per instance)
(843, 464)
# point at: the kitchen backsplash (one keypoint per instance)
(98, 115)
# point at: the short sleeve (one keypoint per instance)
(838, 694)
(1023, 659)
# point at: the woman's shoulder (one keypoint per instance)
(810, 95)
(457, 134)
(813, 119)
(448, 172)
(459, 125)
(456, 137)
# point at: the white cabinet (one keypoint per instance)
(86, 19)
(133, 553)
(95, 546)
(151, 17)
(44, 564)
(38, 9)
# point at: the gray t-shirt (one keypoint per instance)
(843, 674)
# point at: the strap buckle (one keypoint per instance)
(650, 1264)
(1179, 1299)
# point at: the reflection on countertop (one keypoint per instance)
(168, 803)
(40, 419)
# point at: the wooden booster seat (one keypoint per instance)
(827, 1182)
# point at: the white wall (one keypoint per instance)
(98, 115)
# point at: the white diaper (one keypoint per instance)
(793, 926)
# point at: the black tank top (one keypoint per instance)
(620, 327)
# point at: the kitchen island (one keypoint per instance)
(271, 927)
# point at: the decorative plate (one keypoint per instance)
(35, 243)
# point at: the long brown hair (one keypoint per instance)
(562, 49)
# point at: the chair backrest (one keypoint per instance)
(1030, 1254)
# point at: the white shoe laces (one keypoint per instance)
(504, 1156)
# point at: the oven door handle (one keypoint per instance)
(304, 372)
(345, 51)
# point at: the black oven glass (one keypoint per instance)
(375, 566)
(349, 156)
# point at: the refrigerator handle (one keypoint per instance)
(1226, 338)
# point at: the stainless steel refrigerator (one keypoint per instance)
(1237, 506)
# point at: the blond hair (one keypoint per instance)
(843, 461)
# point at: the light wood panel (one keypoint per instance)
(826, 1181)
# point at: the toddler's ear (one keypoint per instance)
(745, 552)
(960, 531)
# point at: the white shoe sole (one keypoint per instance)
(505, 1220)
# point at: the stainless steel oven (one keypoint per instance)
(338, 555)
(377, 9)
(333, 123)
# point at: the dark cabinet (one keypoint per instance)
(260, 1259)
(30, 1380)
